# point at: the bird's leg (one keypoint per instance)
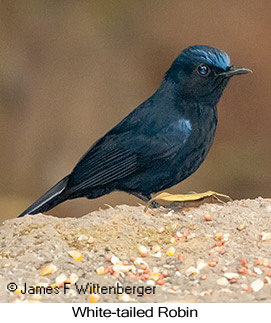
(146, 198)
(141, 196)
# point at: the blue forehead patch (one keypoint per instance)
(210, 55)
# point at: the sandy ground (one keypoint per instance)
(211, 253)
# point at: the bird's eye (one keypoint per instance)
(203, 70)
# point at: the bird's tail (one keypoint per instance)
(49, 200)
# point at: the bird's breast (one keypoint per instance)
(194, 151)
(178, 131)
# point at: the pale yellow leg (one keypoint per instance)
(187, 197)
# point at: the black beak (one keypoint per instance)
(235, 71)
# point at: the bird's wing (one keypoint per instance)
(112, 158)
(106, 161)
(129, 147)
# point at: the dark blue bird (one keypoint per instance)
(159, 144)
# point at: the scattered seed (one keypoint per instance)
(155, 276)
(91, 240)
(156, 248)
(150, 282)
(177, 273)
(139, 261)
(155, 270)
(180, 256)
(244, 271)
(192, 271)
(169, 213)
(122, 268)
(231, 275)
(50, 269)
(108, 258)
(222, 281)
(207, 217)
(257, 270)
(241, 227)
(100, 270)
(233, 280)
(226, 236)
(165, 273)
(37, 297)
(222, 251)
(115, 260)
(124, 298)
(244, 262)
(171, 251)
(178, 234)
(61, 279)
(160, 282)
(257, 285)
(246, 288)
(75, 254)
(73, 278)
(143, 251)
(265, 236)
(93, 298)
(219, 243)
(203, 277)
(157, 254)
(161, 230)
(108, 269)
(18, 291)
(208, 235)
(83, 237)
(207, 292)
(263, 262)
(201, 264)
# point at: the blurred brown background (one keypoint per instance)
(70, 70)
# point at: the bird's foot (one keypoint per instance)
(155, 205)
(148, 199)
(184, 198)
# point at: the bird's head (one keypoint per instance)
(201, 73)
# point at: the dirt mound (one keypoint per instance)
(213, 253)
